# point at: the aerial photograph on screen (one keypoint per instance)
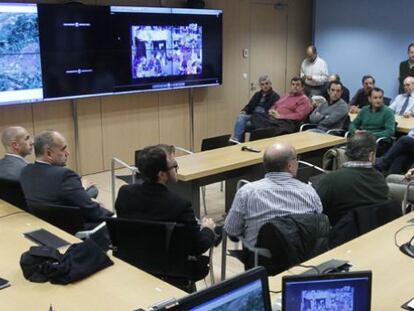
(159, 51)
(19, 52)
(334, 299)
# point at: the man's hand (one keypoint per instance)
(273, 113)
(407, 114)
(354, 109)
(86, 184)
(409, 174)
(308, 77)
(208, 222)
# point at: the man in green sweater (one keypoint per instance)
(375, 118)
(356, 184)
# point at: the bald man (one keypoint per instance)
(18, 144)
(278, 194)
(403, 104)
(314, 71)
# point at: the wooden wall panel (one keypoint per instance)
(129, 122)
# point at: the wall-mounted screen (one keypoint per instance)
(54, 51)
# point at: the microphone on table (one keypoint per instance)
(251, 149)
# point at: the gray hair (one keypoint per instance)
(10, 134)
(264, 78)
(360, 146)
(43, 140)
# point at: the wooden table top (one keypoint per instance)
(119, 287)
(403, 124)
(220, 160)
(392, 271)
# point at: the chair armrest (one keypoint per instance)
(241, 183)
(405, 199)
(87, 233)
(312, 166)
(256, 250)
(307, 126)
(340, 132)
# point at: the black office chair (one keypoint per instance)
(263, 133)
(11, 191)
(361, 220)
(67, 218)
(159, 249)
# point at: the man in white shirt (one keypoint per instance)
(314, 72)
(18, 144)
(403, 104)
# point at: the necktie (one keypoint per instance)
(405, 105)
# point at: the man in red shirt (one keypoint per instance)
(288, 112)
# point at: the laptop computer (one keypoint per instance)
(349, 291)
(248, 291)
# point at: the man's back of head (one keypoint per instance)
(361, 147)
(280, 157)
(156, 163)
(16, 140)
(51, 147)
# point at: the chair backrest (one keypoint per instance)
(67, 218)
(361, 220)
(215, 142)
(293, 239)
(334, 158)
(263, 133)
(11, 191)
(153, 246)
(387, 101)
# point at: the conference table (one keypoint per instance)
(404, 125)
(118, 287)
(231, 163)
(392, 271)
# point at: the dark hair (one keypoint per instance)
(411, 45)
(360, 146)
(153, 159)
(337, 77)
(296, 78)
(367, 77)
(375, 89)
(337, 83)
(278, 162)
(43, 140)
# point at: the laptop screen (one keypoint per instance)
(343, 292)
(245, 292)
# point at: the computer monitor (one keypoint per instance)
(246, 292)
(349, 291)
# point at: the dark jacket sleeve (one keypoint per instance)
(201, 240)
(249, 108)
(74, 194)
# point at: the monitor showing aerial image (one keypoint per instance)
(21, 74)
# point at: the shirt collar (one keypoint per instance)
(16, 156)
(42, 162)
(363, 164)
(278, 175)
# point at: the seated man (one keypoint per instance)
(360, 98)
(48, 181)
(403, 104)
(18, 144)
(332, 114)
(286, 113)
(345, 90)
(356, 184)
(400, 157)
(153, 201)
(258, 104)
(375, 118)
(278, 194)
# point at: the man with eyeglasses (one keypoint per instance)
(258, 104)
(49, 181)
(152, 200)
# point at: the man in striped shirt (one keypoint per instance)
(278, 194)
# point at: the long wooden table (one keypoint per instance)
(404, 125)
(119, 287)
(231, 163)
(393, 271)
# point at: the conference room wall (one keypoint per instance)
(117, 125)
(357, 37)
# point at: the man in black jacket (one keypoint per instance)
(153, 201)
(258, 104)
(49, 181)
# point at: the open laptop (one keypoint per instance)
(246, 292)
(349, 291)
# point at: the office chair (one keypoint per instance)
(11, 191)
(159, 249)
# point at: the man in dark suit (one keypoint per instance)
(18, 144)
(48, 181)
(153, 201)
